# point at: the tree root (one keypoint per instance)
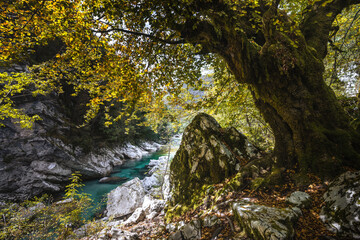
(259, 173)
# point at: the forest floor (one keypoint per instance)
(308, 226)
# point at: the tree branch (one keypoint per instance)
(317, 22)
(167, 41)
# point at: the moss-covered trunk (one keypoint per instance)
(311, 128)
(281, 59)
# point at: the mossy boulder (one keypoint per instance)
(341, 210)
(261, 222)
(208, 154)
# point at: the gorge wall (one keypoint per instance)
(41, 159)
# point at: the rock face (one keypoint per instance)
(264, 223)
(38, 160)
(341, 212)
(41, 159)
(157, 172)
(125, 199)
(207, 155)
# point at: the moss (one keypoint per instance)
(235, 183)
(257, 183)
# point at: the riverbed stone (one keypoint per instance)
(265, 223)
(113, 179)
(125, 199)
(208, 154)
(341, 211)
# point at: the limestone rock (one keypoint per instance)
(150, 146)
(190, 231)
(32, 161)
(151, 205)
(136, 217)
(166, 189)
(264, 223)
(116, 234)
(153, 183)
(125, 199)
(114, 179)
(133, 152)
(299, 199)
(207, 155)
(210, 221)
(41, 159)
(65, 201)
(176, 236)
(50, 168)
(150, 182)
(341, 212)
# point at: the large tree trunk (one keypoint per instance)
(312, 131)
(282, 62)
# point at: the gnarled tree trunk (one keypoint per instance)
(310, 127)
(284, 69)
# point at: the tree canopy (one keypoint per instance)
(144, 54)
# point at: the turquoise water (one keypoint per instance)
(130, 170)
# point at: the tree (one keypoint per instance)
(144, 50)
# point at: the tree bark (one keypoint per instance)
(284, 68)
(311, 128)
(312, 131)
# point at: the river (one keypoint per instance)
(129, 170)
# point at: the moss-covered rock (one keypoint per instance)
(341, 210)
(207, 155)
(261, 222)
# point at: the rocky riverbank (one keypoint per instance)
(227, 205)
(41, 159)
(32, 163)
(138, 209)
(136, 206)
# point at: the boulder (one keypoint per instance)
(207, 155)
(125, 199)
(190, 231)
(176, 236)
(136, 217)
(263, 223)
(114, 179)
(341, 210)
(152, 181)
(150, 146)
(133, 152)
(152, 207)
(210, 221)
(299, 199)
(115, 233)
(156, 179)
